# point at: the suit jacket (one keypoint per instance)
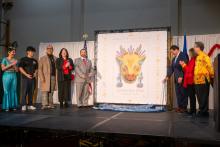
(59, 66)
(176, 68)
(44, 72)
(82, 71)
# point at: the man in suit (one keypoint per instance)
(176, 68)
(83, 77)
(47, 74)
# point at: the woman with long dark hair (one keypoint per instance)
(9, 78)
(64, 66)
(188, 81)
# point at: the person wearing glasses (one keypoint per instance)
(47, 75)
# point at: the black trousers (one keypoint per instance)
(202, 93)
(181, 96)
(64, 90)
(192, 97)
(28, 86)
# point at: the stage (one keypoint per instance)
(74, 127)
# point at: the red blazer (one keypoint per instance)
(189, 72)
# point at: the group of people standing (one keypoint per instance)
(192, 77)
(53, 72)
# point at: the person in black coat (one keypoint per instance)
(177, 70)
(64, 66)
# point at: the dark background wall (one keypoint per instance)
(35, 21)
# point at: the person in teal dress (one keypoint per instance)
(9, 79)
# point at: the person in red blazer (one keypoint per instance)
(188, 81)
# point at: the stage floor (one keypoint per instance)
(88, 120)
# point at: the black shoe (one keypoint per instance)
(191, 112)
(205, 114)
(61, 105)
(66, 105)
(202, 114)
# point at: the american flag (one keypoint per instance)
(90, 85)
(85, 47)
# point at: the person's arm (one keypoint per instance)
(180, 71)
(71, 67)
(170, 70)
(36, 70)
(92, 71)
(25, 73)
(58, 64)
(183, 58)
(183, 65)
(209, 67)
(16, 68)
(40, 71)
(21, 66)
(6, 67)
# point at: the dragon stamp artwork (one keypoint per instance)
(130, 62)
(131, 66)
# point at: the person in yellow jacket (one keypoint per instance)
(203, 76)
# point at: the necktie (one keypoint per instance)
(84, 61)
(175, 60)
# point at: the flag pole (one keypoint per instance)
(85, 36)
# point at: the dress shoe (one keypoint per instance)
(51, 107)
(61, 105)
(44, 107)
(66, 105)
(202, 114)
(177, 110)
(31, 108)
(183, 110)
(24, 108)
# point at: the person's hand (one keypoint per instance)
(165, 80)
(42, 80)
(181, 63)
(14, 63)
(91, 74)
(67, 64)
(35, 75)
(212, 82)
(29, 76)
(180, 80)
(83, 76)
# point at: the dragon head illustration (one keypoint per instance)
(130, 62)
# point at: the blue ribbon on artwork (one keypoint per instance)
(130, 108)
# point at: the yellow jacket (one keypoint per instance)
(203, 69)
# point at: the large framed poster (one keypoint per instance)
(131, 67)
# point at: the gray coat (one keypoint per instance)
(82, 71)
